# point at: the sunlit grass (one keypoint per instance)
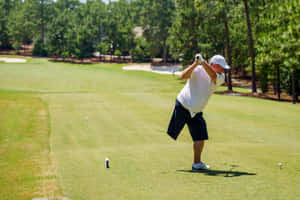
(26, 164)
(128, 113)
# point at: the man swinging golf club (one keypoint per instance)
(203, 79)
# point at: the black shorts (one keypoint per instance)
(180, 117)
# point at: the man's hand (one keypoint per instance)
(186, 74)
(199, 58)
(207, 67)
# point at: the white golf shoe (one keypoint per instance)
(200, 166)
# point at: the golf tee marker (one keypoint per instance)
(106, 163)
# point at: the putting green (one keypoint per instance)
(128, 113)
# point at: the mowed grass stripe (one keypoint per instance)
(26, 164)
(110, 122)
(39, 75)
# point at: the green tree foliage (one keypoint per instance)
(156, 18)
(5, 8)
(83, 35)
(184, 32)
(120, 27)
(199, 27)
(98, 12)
(251, 45)
(26, 23)
(40, 49)
(44, 14)
(177, 28)
(141, 50)
(279, 45)
(239, 38)
(22, 23)
(60, 38)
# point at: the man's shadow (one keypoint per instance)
(225, 173)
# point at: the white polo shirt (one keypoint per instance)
(199, 87)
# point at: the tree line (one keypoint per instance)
(258, 37)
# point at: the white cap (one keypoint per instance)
(220, 60)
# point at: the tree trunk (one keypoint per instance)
(293, 87)
(274, 87)
(251, 46)
(278, 82)
(244, 73)
(228, 50)
(7, 7)
(42, 21)
(165, 52)
(5, 40)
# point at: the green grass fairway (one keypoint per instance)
(45, 109)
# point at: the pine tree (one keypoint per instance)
(157, 18)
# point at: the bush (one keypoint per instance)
(103, 47)
(118, 53)
(39, 49)
(141, 50)
(263, 79)
(17, 46)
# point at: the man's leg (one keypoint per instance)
(198, 147)
(178, 120)
(198, 130)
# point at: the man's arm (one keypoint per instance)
(186, 74)
(210, 71)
